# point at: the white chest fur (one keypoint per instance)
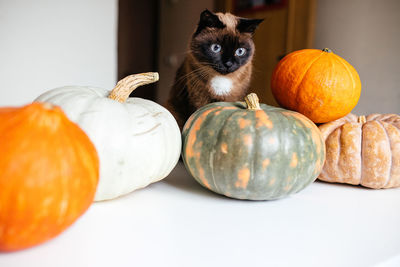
(221, 85)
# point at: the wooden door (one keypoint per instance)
(177, 22)
(137, 41)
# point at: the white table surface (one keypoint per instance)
(177, 222)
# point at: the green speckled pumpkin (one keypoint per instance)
(245, 150)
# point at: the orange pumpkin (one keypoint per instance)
(48, 174)
(317, 83)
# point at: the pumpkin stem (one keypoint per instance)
(362, 119)
(252, 101)
(327, 50)
(126, 86)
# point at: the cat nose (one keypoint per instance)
(228, 64)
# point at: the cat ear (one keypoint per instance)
(248, 25)
(208, 19)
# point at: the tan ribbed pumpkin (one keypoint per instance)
(363, 150)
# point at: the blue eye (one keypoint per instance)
(240, 52)
(216, 48)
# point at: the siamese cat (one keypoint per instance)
(218, 65)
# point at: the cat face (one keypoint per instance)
(223, 41)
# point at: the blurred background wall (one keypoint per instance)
(50, 43)
(45, 43)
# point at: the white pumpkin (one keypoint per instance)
(138, 141)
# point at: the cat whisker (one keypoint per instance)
(193, 86)
(193, 73)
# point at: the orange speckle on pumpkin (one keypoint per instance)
(188, 123)
(243, 178)
(192, 135)
(223, 109)
(287, 187)
(272, 181)
(243, 123)
(198, 145)
(293, 162)
(263, 119)
(272, 141)
(315, 133)
(289, 183)
(265, 163)
(224, 148)
(299, 117)
(203, 178)
(248, 140)
(228, 108)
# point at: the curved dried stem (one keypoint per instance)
(128, 84)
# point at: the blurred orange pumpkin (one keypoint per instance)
(317, 83)
(48, 174)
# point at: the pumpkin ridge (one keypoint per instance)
(295, 55)
(318, 145)
(395, 159)
(164, 169)
(197, 127)
(278, 188)
(257, 139)
(304, 95)
(294, 188)
(215, 145)
(349, 71)
(276, 131)
(289, 117)
(372, 180)
(337, 123)
(60, 97)
(362, 153)
(339, 136)
(226, 121)
(391, 154)
(392, 120)
(395, 156)
(303, 51)
(275, 192)
(301, 78)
